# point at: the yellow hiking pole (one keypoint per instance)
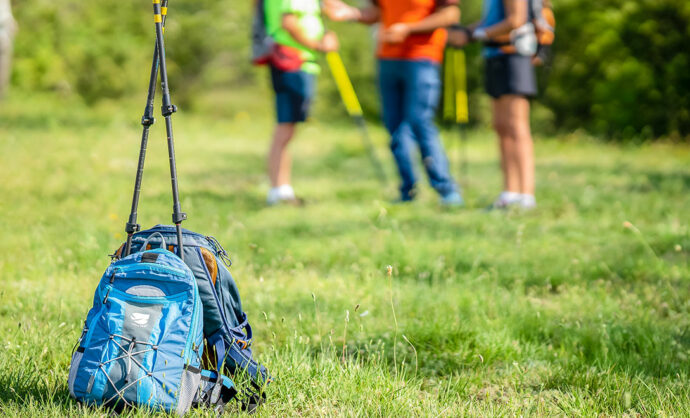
(456, 99)
(354, 109)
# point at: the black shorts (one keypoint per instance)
(510, 74)
(294, 92)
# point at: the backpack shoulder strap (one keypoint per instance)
(215, 391)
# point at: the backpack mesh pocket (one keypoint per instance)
(191, 378)
(74, 367)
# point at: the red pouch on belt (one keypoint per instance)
(286, 58)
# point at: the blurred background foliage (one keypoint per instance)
(621, 69)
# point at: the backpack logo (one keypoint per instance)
(140, 319)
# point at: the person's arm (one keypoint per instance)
(328, 43)
(443, 17)
(516, 16)
(339, 11)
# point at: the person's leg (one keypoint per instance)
(524, 146)
(278, 157)
(522, 85)
(511, 121)
(422, 93)
(391, 87)
(294, 91)
(502, 126)
(507, 147)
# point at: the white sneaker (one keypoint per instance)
(279, 194)
(506, 199)
(528, 202)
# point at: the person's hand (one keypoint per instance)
(396, 33)
(329, 42)
(338, 11)
(458, 38)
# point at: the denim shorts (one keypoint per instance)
(294, 94)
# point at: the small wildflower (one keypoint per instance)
(627, 225)
(678, 248)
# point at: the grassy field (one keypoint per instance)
(581, 307)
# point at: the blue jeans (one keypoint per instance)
(410, 92)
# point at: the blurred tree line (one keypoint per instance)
(621, 68)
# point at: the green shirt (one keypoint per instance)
(308, 13)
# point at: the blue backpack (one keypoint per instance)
(142, 341)
(160, 315)
(227, 332)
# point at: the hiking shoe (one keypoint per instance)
(505, 200)
(452, 199)
(528, 202)
(281, 194)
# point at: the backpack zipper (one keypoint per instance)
(151, 266)
(193, 328)
(220, 251)
(153, 300)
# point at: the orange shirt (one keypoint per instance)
(419, 45)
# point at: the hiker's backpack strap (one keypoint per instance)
(236, 355)
(215, 391)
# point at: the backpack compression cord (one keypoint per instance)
(160, 12)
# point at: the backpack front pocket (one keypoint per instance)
(134, 351)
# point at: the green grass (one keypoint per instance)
(578, 308)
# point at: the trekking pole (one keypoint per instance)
(462, 112)
(167, 109)
(146, 121)
(354, 109)
(456, 106)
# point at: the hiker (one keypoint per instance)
(8, 27)
(510, 81)
(297, 29)
(411, 43)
